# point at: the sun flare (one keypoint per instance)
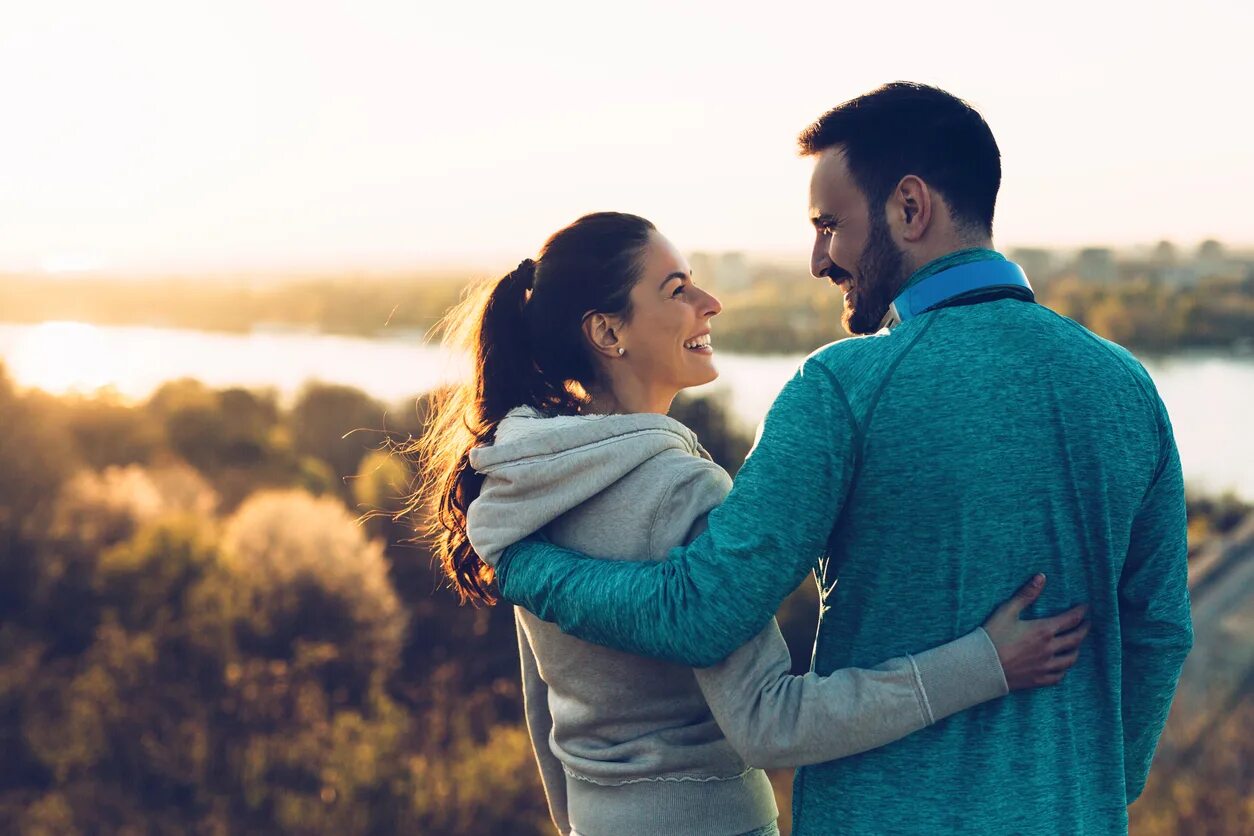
(62, 357)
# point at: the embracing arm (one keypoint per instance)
(711, 596)
(775, 719)
(1154, 620)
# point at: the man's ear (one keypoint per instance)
(910, 208)
(603, 333)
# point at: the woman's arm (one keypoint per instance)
(774, 719)
(540, 727)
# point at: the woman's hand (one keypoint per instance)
(1040, 651)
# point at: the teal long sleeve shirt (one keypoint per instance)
(923, 474)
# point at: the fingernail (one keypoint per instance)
(1038, 580)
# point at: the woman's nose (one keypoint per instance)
(713, 307)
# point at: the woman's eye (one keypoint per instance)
(679, 290)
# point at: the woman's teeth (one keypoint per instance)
(698, 343)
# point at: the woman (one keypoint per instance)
(563, 429)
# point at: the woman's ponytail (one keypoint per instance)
(523, 334)
(489, 325)
(506, 370)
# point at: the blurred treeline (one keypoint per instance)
(362, 306)
(210, 623)
(1153, 316)
(778, 310)
(782, 311)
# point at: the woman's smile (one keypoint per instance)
(700, 344)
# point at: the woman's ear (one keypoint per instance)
(604, 333)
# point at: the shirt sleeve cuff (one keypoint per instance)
(961, 674)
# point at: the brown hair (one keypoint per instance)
(524, 335)
(905, 128)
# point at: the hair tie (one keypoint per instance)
(525, 274)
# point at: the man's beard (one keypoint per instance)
(881, 274)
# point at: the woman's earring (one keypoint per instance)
(621, 351)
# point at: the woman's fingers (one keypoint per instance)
(1035, 652)
(1068, 620)
(1063, 650)
(1062, 662)
(1025, 595)
(1064, 642)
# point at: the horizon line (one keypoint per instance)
(440, 267)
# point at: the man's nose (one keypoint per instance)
(819, 265)
(820, 261)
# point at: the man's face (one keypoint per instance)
(853, 246)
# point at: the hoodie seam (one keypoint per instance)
(583, 448)
(656, 779)
(920, 693)
(657, 511)
(636, 421)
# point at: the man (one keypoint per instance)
(929, 468)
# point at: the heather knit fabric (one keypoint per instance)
(930, 470)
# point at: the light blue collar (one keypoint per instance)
(930, 291)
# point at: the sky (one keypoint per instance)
(225, 136)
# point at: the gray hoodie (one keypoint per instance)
(634, 745)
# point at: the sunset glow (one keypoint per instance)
(199, 137)
(64, 357)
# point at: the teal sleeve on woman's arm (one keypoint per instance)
(711, 596)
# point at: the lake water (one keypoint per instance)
(1210, 397)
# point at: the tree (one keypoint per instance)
(337, 424)
(307, 573)
(107, 432)
(234, 437)
(37, 455)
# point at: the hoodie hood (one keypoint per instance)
(538, 468)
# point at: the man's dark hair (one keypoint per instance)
(905, 128)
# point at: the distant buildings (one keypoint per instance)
(1210, 250)
(733, 271)
(1164, 262)
(1212, 260)
(726, 271)
(702, 265)
(1165, 255)
(1096, 264)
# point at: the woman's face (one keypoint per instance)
(667, 340)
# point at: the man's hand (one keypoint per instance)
(1040, 651)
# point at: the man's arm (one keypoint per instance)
(713, 595)
(1154, 618)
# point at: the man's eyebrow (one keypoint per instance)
(675, 275)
